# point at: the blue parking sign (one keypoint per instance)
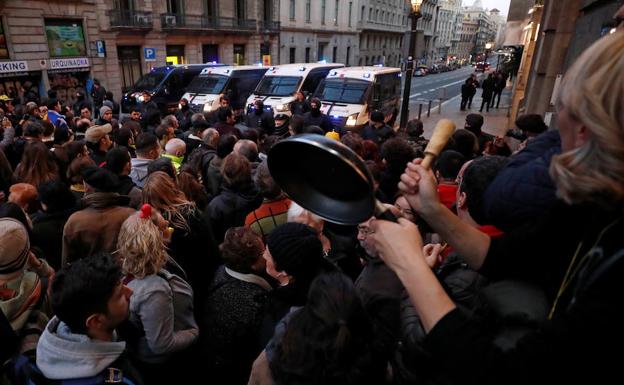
(149, 54)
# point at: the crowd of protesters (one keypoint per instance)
(155, 248)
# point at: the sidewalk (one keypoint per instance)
(495, 120)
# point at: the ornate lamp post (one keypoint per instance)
(415, 14)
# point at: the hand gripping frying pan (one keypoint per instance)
(327, 178)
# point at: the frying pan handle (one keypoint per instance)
(383, 213)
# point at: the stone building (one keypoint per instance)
(319, 30)
(467, 39)
(486, 29)
(427, 36)
(565, 30)
(383, 25)
(62, 44)
(449, 30)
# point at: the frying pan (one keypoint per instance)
(327, 178)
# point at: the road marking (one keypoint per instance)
(413, 96)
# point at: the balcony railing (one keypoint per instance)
(369, 24)
(126, 19)
(269, 26)
(172, 22)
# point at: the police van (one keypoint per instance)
(165, 84)
(235, 82)
(279, 84)
(349, 95)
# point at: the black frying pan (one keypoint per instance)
(327, 178)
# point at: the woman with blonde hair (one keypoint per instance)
(574, 252)
(161, 307)
(192, 245)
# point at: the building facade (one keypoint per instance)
(64, 44)
(565, 31)
(382, 26)
(318, 30)
(426, 32)
(467, 39)
(486, 30)
(449, 30)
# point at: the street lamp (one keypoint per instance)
(415, 14)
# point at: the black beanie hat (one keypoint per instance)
(296, 249)
(101, 179)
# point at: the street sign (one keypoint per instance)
(149, 54)
(101, 48)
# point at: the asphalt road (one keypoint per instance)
(434, 87)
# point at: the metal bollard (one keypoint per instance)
(429, 109)
(440, 108)
(419, 110)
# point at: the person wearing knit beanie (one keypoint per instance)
(293, 251)
(14, 248)
(106, 116)
(20, 282)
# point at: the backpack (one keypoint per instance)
(26, 372)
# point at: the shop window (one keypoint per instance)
(210, 53)
(65, 38)
(4, 49)
(175, 55)
(239, 54)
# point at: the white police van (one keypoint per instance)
(279, 84)
(349, 95)
(235, 82)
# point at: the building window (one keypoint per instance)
(307, 11)
(307, 55)
(350, 11)
(370, 14)
(336, 12)
(348, 56)
(65, 38)
(334, 54)
(175, 7)
(130, 65)
(4, 49)
(239, 9)
(323, 3)
(292, 9)
(321, 51)
(239, 54)
(292, 55)
(362, 13)
(211, 9)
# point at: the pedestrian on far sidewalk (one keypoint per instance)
(467, 91)
(488, 90)
(500, 82)
(473, 91)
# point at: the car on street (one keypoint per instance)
(482, 67)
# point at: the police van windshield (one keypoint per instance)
(149, 81)
(208, 84)
(278, 85)
(343, 91)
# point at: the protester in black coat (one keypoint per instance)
(58, 203)
(316, 118)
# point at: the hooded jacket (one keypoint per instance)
(63, 355)
(138, 173)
